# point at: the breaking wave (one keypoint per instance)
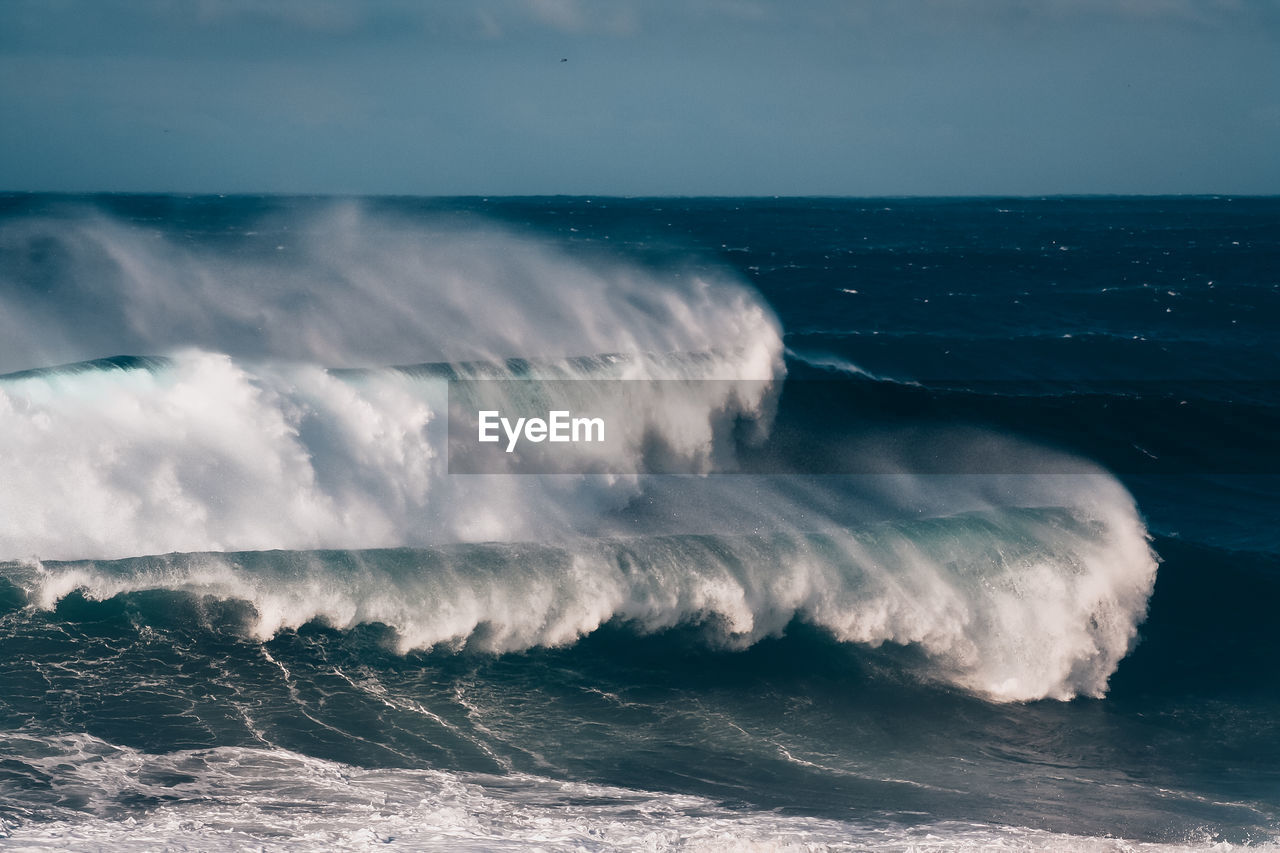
(256, 421)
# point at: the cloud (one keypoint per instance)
(271, 28)
(321, 16)
(1215, 12)
(565, 15)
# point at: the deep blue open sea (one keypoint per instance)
(975, 544)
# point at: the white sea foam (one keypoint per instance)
(842, 365)
(247, 442)
(207, 454)
(239, 798)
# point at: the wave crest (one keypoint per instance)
(1015, 605)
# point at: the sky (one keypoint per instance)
(657, 97)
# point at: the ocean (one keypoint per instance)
(933, 524)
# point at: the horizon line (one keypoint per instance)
(638, 197)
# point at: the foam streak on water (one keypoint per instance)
(232, 798)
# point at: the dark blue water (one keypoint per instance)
(1003, 571)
